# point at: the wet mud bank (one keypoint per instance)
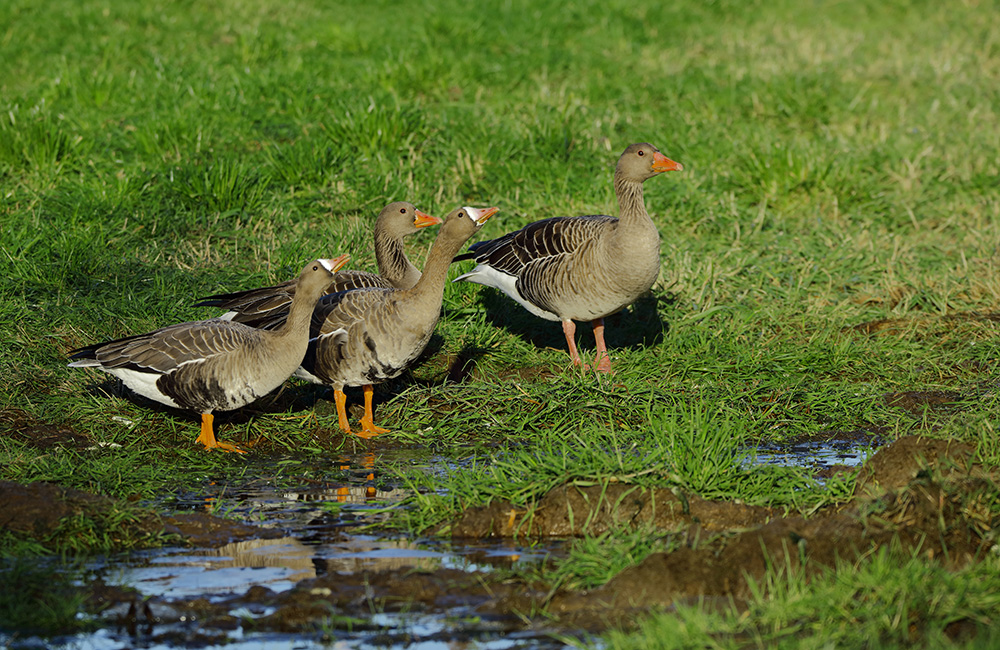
(54, 514)
(915, 495)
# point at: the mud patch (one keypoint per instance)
(572, 510)
(915, 494)
(917, 402)
(896, 465)
(20, 426)
(947, 522)
(49, 513)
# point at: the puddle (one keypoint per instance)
(208, 597)
(823, 457)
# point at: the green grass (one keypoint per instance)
(840, 169)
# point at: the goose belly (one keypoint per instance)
(205, 387)
(378, 360)
(367, 353)
(590, 295)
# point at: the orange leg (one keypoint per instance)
(368, 421)
(207, 436)
(369, 464)
(602, 362)
(569, 329)
(341, 401)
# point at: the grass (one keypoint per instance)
(830, 243)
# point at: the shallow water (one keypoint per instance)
(325, 526)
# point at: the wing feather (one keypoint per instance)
(547, 238)
(165, 349)
(261, 307)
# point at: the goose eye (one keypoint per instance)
(402, 211)
(315, 268)
(641, 152)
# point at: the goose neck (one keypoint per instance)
(631, 204)
(391, 258)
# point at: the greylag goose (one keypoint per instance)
(581, 268)
(214, 365)
(396, 221)
(365, 336)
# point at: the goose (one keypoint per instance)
(396, 221)
(581, 268)
(214, 365)
(365, 336)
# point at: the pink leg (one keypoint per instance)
(569, 329)
(602, 362)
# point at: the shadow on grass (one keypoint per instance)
(637, 326)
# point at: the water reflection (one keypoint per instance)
(322, 519)
(822, 456)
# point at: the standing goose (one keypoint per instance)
(214, 365)
(395, 221)
(581, 268)
(366, 336)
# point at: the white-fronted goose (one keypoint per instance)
(396, 221)
(581, 268)
(214, 365)
(365, 336)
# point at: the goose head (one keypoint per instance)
(642, 161)
(401, 218)
(463, 222)
(317, 275)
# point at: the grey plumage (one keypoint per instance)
(581, 268)
(365, 336)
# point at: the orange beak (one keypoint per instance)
(338, 263)
(422, 220)
(485, 214)
(663, 164)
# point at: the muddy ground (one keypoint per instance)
(925, 494)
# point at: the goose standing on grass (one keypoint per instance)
(396, 221)
(214, 365)
(581, 268)
(365, 336)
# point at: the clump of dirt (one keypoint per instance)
(37, 509)
(895, 465)
(949, 522)
(41, 511)
(915, 493)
